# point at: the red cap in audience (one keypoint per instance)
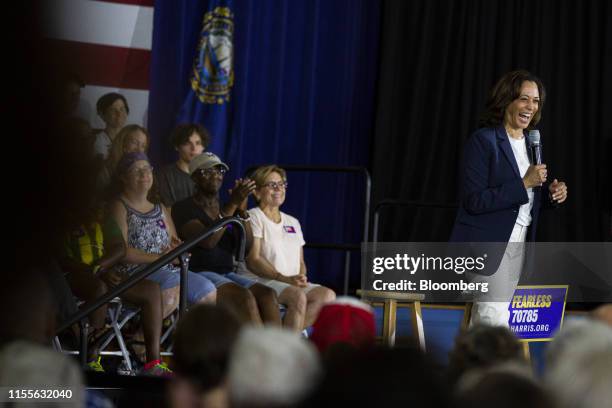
(346, 320)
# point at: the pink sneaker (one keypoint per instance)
(157, 368)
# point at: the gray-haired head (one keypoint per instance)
(272, 367)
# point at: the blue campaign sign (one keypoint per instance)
(536, 312)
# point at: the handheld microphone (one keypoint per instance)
(535, 147)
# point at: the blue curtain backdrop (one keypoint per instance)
(305, 73)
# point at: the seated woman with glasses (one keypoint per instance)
(277, 256)
(214, 256)
(149, 233)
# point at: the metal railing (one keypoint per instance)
(347, 248)
(146, 270)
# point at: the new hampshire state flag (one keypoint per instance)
(209, 99)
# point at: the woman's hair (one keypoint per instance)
(117, 184)
(107, 100)
(482, 346)
(261, 174)
(117, 149)
(203, 340)
(183, 132)
(506, 90)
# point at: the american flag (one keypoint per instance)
(108, 44)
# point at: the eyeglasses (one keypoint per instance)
(273, 185)
(141, 170)
(213, 170)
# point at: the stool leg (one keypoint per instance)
(417, 324)
(467, 316)
(389, 320)
(526, 352)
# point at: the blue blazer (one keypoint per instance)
(492, 190)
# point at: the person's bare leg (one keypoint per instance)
(210, 299)
(241, 301)
(295, 301)
(88, 287)
(317, 297)
(169, 301)
(267, 303)
(147, 295)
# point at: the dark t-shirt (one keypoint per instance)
(174, 184)
(220, 259)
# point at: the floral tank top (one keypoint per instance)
(147, 232)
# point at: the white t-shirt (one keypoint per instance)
(519, 148)
(281, 244)
(102, 144)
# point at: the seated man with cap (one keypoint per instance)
(214, 256)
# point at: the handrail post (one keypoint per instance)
(84, 329)
(184, 284)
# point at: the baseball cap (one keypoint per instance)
(205, 160)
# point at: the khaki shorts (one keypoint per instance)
(278, 286)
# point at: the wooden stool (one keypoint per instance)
(390, 301)
(467, 315)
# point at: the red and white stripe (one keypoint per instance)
(108, 44)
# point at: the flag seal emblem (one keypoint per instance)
(213, 73)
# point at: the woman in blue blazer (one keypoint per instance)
(501, 190)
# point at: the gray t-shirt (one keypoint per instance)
(174, 184)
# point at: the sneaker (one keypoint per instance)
(95, 365)
(157, 368)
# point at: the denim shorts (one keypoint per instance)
(231, 277)
(197, 286)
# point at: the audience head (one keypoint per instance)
(481, 347)
(382, 377)
(272, 367)
(131, 139)
(201, 357)
(582, 380)
(26, 365)
(35, 321)
(271, 184)
(190, 140)
(347, 321)
(578, 364)
(72, 91)
(604, 314)
(134, 172)
(207, 172)
(504, 386)
(113, 109)
(78, 140)
(578, 337)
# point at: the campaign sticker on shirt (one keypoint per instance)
(289, 229)
(161, 224)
